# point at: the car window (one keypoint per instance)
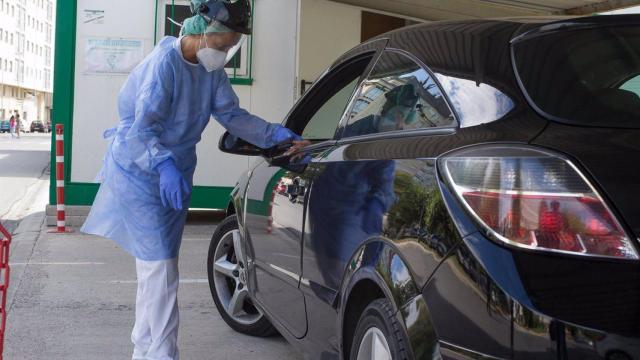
(574, 76)
(324, 122)
(398, 95)
(475, 103)
(317, 115)
(632, 85)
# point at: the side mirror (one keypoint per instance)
(233, 145)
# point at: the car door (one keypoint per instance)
(378, 183)
(276, 192)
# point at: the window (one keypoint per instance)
(582, 76)
(475, 103)
(20, 70)
(398, 95)
(323, 124)
(319, 112)
(21, 18)
(47, 79)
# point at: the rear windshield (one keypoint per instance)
(586, 77)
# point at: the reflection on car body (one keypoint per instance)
(442, 205)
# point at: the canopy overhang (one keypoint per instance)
(474, 9)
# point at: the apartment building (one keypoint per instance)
(26, 58)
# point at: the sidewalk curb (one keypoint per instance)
(25, 238)
(75, 215)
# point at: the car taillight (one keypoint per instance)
(537, 200)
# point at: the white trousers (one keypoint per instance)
(155, 334)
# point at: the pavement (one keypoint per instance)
(24, 175)
(72, 296)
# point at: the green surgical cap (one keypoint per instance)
(197, 25)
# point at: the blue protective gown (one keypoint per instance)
(164, 106)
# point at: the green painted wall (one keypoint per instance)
(64, 69)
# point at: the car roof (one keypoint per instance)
(477, 49)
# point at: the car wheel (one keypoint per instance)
(228, 282)
(379, 335)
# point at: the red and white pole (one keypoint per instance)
(61, 226)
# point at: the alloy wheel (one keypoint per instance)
(230, 277)
(374, 346)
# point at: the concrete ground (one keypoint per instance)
(74, 299)
(24, 173)
(72, 296)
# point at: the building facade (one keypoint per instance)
(26, 59)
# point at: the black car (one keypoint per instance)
(38, 126)
(471, 192)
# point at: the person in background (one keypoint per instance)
(12, 126)
(18, 125)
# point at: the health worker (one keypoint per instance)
(147, 175)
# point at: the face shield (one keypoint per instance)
(227, 42)
(399, 112)
(234, 15)
(234, 50)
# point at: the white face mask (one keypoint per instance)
(211, 59)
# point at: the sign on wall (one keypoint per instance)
(112, 56)
(93, 16)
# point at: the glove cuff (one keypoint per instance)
(165, 165)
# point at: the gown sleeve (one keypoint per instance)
(152, 102)
(238, 121)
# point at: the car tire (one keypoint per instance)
(379, 328)
(225, 283)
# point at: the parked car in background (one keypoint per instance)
(469, 192)
(5, 126)
(281, 188)
(37, 126)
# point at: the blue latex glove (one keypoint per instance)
(372, 214)
(172, 185)
(282, 135)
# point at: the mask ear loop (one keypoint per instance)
(206, 45)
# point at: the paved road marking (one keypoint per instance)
(196, 239)
(182, 281)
